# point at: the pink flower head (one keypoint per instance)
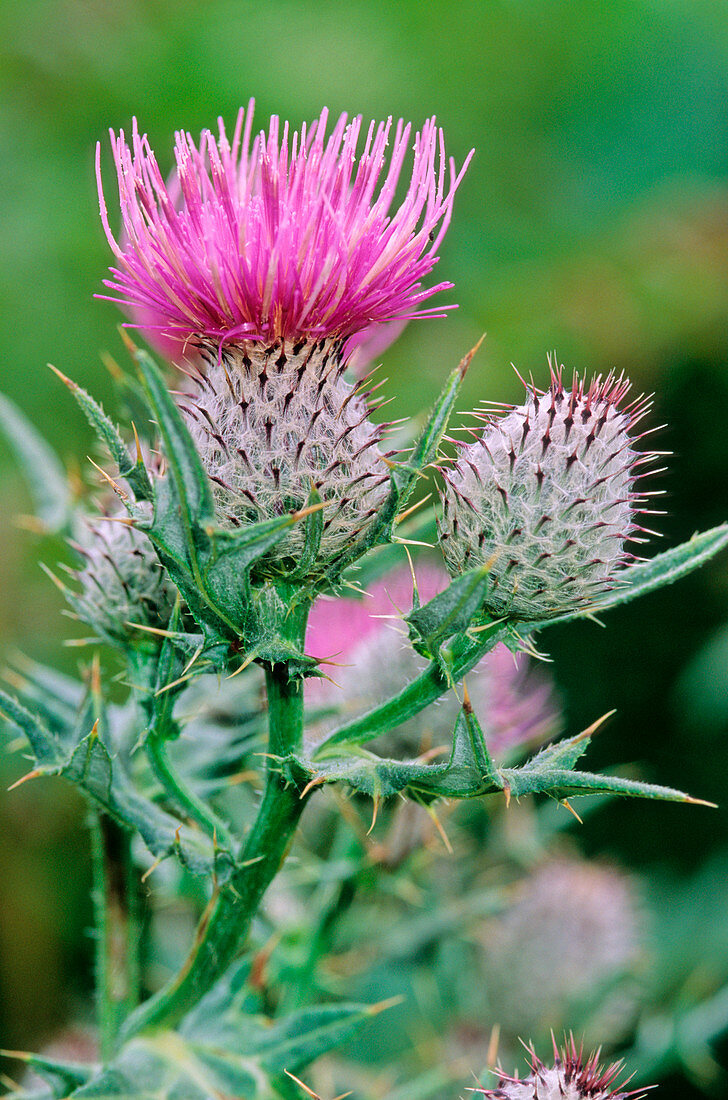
(282, 237)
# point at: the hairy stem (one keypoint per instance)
(116, 908)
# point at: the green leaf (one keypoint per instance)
(468, 773)
(221, 1049)
(133, 471)
(209, 565)
(62, 1076)
(192, 487)
(41, 468)
(564, 783)
(639, 580)
(405, 475)
(460, 656)
(88, 763)
(428, 445)
(313, 532)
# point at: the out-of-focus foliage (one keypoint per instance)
(594, 218)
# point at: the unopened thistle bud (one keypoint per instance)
(121, 581)
(572, 1077)
(546, 494)
(271, 260)
(271, 424)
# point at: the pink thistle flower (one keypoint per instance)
(282, 237)
(572, 1077)
(514, 705)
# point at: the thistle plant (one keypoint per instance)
(261, 266)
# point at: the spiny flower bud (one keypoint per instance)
(514, 705)
(546, 495)
(271, 424)
(572, 1077)
(121, 580)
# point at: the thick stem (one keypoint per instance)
(116, 906)
(233, 905)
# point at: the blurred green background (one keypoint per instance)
(594, 220)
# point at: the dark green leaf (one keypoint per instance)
(450, 612)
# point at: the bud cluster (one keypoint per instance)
(545, 494)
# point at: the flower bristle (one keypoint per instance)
(573, 1076)
(282, 237)
(547, 492)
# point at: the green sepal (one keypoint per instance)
(132, 470)
(41, 467)
(645, 577)
(86, 761)
(451, 612)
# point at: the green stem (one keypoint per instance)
(429, 686)
(116, 908)
(227, 918)
(181, 795)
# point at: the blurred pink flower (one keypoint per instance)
(514, 704)
(289, 236)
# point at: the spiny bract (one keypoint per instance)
(271, 424)
(572, 1077)
(546, 495)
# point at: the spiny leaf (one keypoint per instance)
(468, 773)
(89, 765)
(133, 471)
(41, 468)
(645, 577)
(564, 783)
